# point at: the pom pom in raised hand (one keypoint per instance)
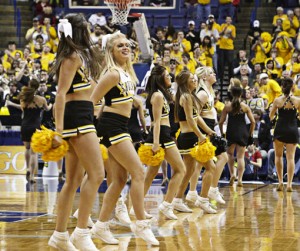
(203, 152)
(148, 157)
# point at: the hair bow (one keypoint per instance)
(65, 27)
(105, 38)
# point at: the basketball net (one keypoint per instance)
(120, 10)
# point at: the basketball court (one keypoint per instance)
(255, 217)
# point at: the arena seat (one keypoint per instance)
(178, 21)
(161, 20)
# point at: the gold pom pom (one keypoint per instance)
(41, 140)
(55, 154)
(203, 152)
(177, 134)
(104, 152)
(266, 36)
(148, 158)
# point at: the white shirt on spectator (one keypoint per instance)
(96, 19)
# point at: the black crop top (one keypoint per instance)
(165, 109)
(182, 116)
(80, 81)
(121, 93)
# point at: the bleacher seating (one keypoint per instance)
(178, 21)
(161, 20)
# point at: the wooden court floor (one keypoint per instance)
(255, 217)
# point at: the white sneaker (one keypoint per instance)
(121, 212)
(180, 206)
(90, 221)
(148, 216)
(167, 210)
(204, 204)
(101, 231)
(191, 196)
(83, 241)
(142, 229)
(214, 194)
(61, 243)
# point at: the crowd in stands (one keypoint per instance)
(271, 58)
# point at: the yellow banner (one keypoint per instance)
(12, 160)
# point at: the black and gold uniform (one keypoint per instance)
(79, 115)
(186, 141)
(112, 128)
(286, 129)
(165, 139)
(30, 122)
(218, 142)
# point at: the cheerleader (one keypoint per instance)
(76, 61)
(286, 131)
(205, 93)
(187, 105)
(117, 86)
(238, 134)
(160, 136)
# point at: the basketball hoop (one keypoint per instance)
(120, 10)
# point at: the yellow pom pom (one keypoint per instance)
(41, 140)
(203, 152)
(104, 152)
(266, 36)
(177, 133)
(55, 154)
(148, 158)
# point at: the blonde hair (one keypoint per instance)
(201, 73)
(109, 60)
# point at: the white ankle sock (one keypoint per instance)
(193, 192)
(177, 199)
(165, 203)
(82, 230)
(61, 234)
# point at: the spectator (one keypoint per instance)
(51, 33)
(203, 10)
(13, 104)
(269, 87)
(192, 35)
(284, 46)
(212, 31)
(225, 10)
(261, 135)
(276, 62)
(261, 48)
(10, 52)
(226, 51)
(239, 61)
(253, 160)
(208, 50)
(253, 34)
(97, 34)
(280, 15)
(97, 18)
(294, 24)
(47, 57)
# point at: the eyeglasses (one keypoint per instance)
(175, 44)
